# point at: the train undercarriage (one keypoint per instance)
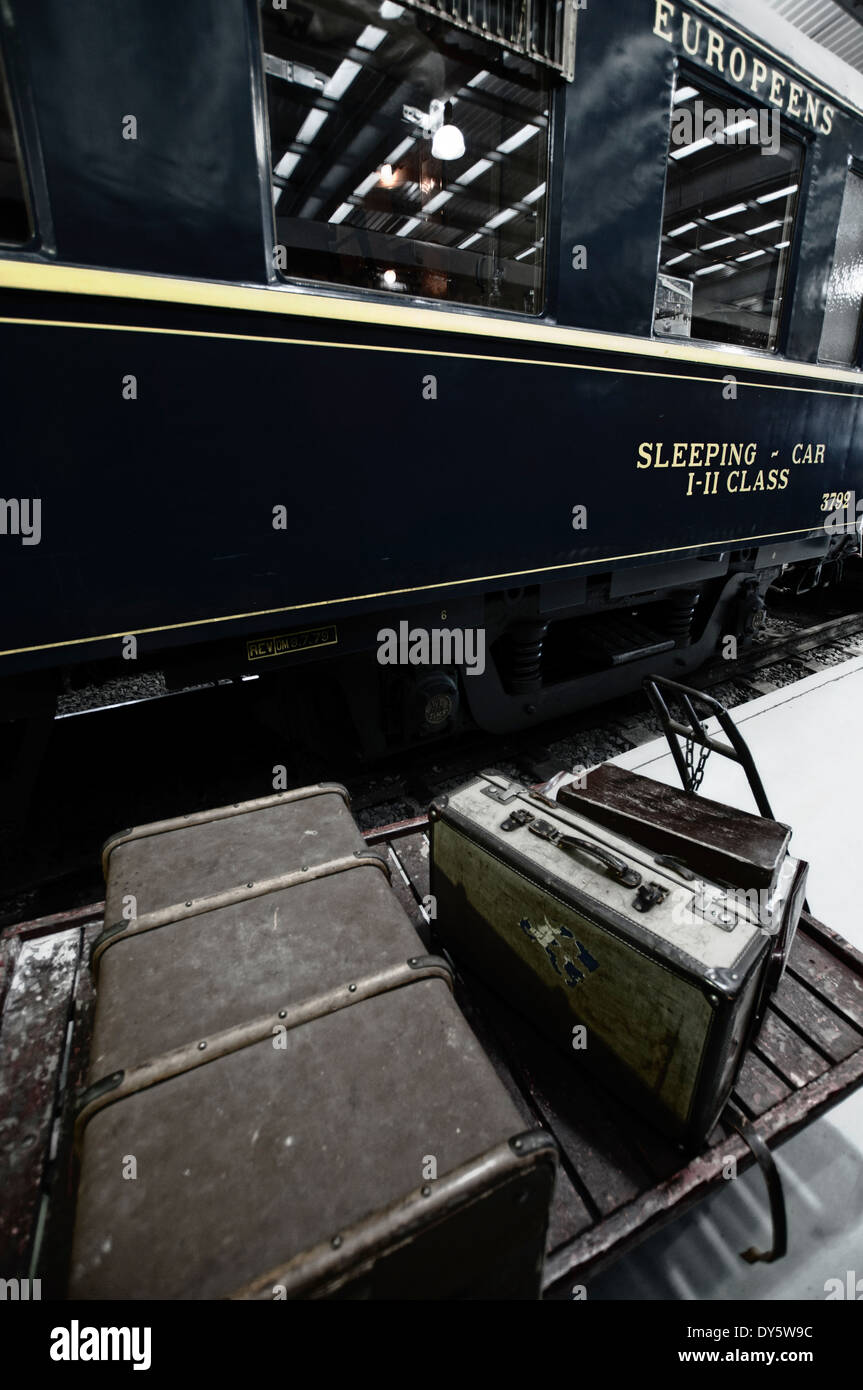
(546, 650)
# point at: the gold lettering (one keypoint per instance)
(679, 450)
(738, 74)
(776, 95)
(715, 44)
(795, 96)
(827, 119)
(687, 19)
(644, 453)
(813, 106)
(759, 74)
(664, 12)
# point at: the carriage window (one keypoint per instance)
(840, 335)
(408, 155)
(14, 214)
(731, 197)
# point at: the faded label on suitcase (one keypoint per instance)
(571, 971)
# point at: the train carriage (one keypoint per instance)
(492, 354)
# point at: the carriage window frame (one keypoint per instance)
(548, 86)
(792, 133)
(855, 363)
(9, 113)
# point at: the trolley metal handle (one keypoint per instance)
(618, 868)
(736, 748)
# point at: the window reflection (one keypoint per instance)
(840, 335)
(731, 197)
(408, 156)
(14, 214)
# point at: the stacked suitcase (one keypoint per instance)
(284, 1099)
(641, 928)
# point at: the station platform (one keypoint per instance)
(619, 1179)
(806, 743)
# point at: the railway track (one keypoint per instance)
(203, 747)
(778, 658)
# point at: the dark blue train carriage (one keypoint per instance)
(538, 321)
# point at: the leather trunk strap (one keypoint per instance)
(229, 897)
(119, 1085)
(240, 808)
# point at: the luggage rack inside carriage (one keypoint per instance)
(619, 1179)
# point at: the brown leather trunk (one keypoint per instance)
(725, 844)
(284, 1099)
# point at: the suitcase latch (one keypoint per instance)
(503, 794)
(716, 909)
(648, 895)
(515, 819)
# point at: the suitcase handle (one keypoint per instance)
(618, 868)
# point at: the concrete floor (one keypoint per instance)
(807, 747)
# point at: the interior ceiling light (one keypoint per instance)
(777, 193)
(447, 139)
(395, 155)
(746, 124)
(371, 38)
(473, 172)
(687, 150)
(341, 79)
(534, 195)
(388, 177)
(448, 142)
(726, 212)
(526, 133)
(436, 202)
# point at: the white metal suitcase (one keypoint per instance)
(635, 964)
